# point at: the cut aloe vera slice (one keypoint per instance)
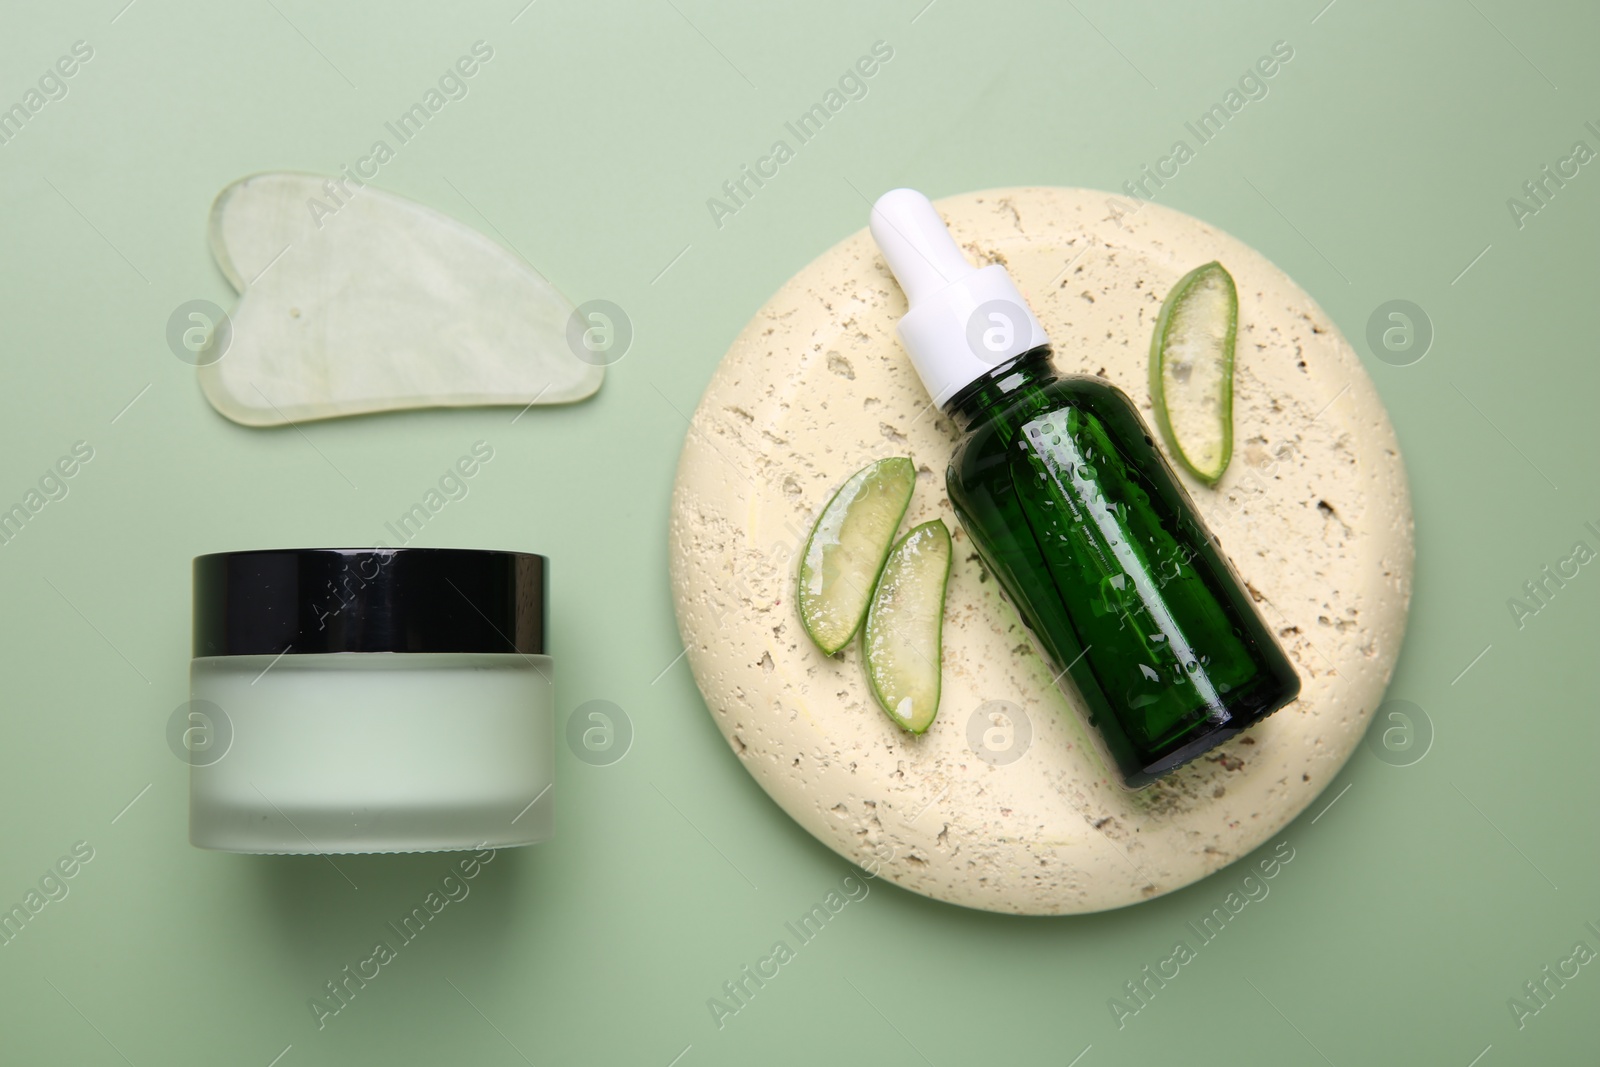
(847, 548)
(1191, 369)
(905, 625)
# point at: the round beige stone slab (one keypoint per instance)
(1003, 804)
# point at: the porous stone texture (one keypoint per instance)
(1314, 513)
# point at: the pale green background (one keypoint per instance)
(1414, 907)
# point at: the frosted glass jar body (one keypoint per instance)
(374, 752)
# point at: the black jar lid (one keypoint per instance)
(319, 600)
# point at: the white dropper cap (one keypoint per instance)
(963, 321)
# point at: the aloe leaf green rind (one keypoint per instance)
(1191, 370)
(903, 636)
(846, 550)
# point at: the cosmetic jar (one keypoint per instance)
(370, 700)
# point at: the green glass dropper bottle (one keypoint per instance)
(1073, 509)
